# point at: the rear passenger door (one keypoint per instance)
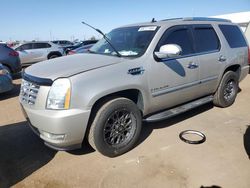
(40, 51)
(211, 56)
(26, 53)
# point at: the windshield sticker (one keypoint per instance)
(148, 28)
(106, 51)
(128, 53)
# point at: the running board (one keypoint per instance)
(179, 109)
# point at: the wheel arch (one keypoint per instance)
(54, 53)
(235, 68)
(133, 94)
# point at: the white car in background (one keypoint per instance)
(247, 33)
(33, 52)
(63, 42)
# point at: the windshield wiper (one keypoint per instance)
(105, 37)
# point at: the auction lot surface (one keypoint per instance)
(160, 159)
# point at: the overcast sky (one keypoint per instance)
(61, 19)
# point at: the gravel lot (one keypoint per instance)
(160, 159)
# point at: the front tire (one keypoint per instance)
(53, 56)
(116, 127)
(227, 90)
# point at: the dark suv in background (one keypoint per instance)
(9, 58)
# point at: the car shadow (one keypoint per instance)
(246, 140)
(21, 153)
(85, 149)
(175, 66)
(147, 128)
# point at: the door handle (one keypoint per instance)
(192, 65)
(222, 58)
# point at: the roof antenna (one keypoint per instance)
(153, 20)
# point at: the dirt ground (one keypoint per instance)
(160, 159)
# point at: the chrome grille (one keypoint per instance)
(29, 92)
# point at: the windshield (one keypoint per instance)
(129, 41)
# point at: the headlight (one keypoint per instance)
(59, 95)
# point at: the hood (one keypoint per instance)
(69, 65)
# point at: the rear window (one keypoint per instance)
(233, 36)
(206, 39)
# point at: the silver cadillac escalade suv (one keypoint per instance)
(142, 72)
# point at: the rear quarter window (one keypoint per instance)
(40, 45)
(233, 36)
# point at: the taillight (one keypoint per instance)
(71, 52)
(14, 53)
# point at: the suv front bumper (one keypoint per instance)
(60, 129)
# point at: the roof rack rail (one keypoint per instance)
(199, 19)
(205, 19)
(170, 19)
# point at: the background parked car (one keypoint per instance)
(80, 50)
(80, 44)
(33, 52)
(9, 58)
(63, 42)
(5, 80)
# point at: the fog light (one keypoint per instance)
(52, 136)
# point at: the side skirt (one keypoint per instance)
(179, 109)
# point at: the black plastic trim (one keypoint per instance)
(37, 80)
(68, 148)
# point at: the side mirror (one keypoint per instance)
(169, 51)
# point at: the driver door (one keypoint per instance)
(26, 53)
(175, 80)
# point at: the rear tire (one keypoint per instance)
(7, 69)
(227, 90)
(53, 56)
(116, 127)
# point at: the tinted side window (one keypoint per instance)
(180, 37)
(40, 45)
(25, 47)
(206, 39)
(233, 36)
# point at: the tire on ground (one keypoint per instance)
(109, 120)
(52, 56)
(7, 69)
(228, 83)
